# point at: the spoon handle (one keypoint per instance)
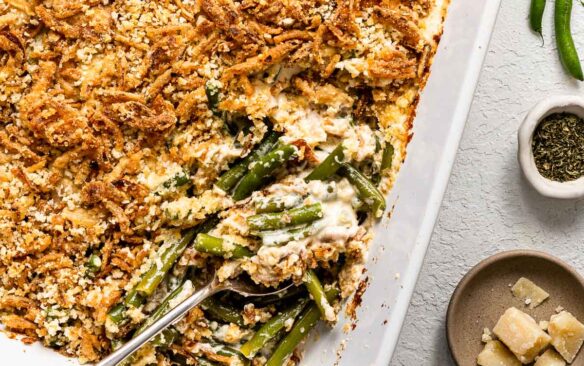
(172, 317)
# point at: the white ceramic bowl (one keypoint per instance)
(549, 188)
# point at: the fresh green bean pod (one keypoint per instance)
(329, 166)
(317, 293)
(221, 311)
(277, 204)
(366, 191)
(231, 177)
(271, 328)
(536, 15)
(261, 169)
(566, 47)
(306, 321)
(216, 246)
(293, 217)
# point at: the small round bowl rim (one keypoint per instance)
(546, 187)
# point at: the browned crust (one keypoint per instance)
(91, 119)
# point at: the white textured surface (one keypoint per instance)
(489, 206)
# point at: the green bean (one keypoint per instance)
(212, 91)
(178, 180)
(329, 166)
(117, 314)
(236, 124)
(224, 350)
(151, 279)
(204, 362)
(377, 144)
(231, 177)
(134, 299)
(365, 189)
(566, 47)
(536, 15)
(221, 311)
(93, 264)
(278, 220)
(277, 237)
(306, 321)
(161, 310)
(162, 340)
(208, 224)
(315, 289)
(167, 337)
(277, 204)
(261, 169)
(216, 246)
(272, 327)
(386, 161)
(386, 158)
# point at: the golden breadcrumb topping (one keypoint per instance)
(118, 117)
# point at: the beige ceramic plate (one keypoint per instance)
(484, 294)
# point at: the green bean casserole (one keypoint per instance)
(147, 143)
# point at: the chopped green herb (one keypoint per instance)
(558, 147)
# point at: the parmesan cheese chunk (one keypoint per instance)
(529, 292)
(567, 334)
(496, 354)
(521, 334)
(550, 358)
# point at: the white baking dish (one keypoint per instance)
(400, 243)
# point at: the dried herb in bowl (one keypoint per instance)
(558, 147)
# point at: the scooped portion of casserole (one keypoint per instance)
(146, 144)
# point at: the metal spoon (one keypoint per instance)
(239, 286)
